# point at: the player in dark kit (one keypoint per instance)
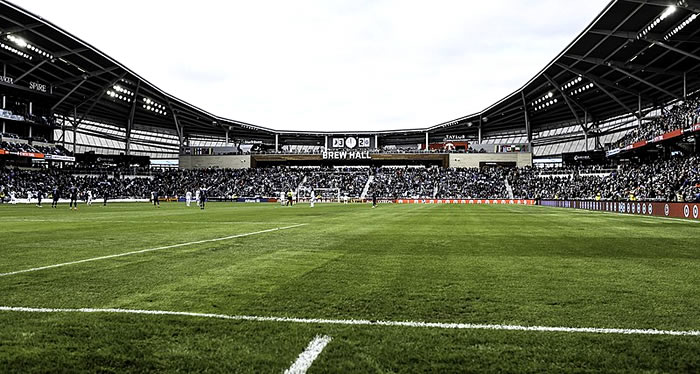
(73, 194)
(39, 196)
(156, 200)
(105, 192)
(374, 201)
(56, 195)
(202, 197)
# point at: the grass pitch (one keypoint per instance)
(509, 265)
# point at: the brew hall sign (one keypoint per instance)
(347, 155)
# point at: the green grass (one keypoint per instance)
(467, 264)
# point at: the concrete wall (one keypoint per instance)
(214, 162)
(473, 160)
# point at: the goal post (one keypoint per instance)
(322, 194)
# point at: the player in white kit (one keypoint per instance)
(313, 199)
(197, 197)
(188, 197)
(89, 198)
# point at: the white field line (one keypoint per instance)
(149, 250)
(306, 358)
(359, 322)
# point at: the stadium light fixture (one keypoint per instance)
(15, 51)
(17, 40)
(154, 107)
(680, 27)
(667, 13)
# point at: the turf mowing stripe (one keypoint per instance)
(150, 250)
(306, 358)
(360, 322)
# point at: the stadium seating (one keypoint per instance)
(678, 117)
(676, 179)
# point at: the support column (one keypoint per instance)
(685, 86)
(277, 142)
(639, 113)
(427, 141)
(75, 128)
(30, 132)
(326, 146)
(63, 132)
(31, 107)
(585, 132)
(528, 127)
(227, 137)
(376, 141)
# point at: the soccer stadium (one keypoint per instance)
(551, 231)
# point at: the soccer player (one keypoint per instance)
(73, 194)
(202, 197)
(156, 200)
(89, 198)
(198, 197)
(56, 195)
(374, 201)
(282, 199)
(39, 195)
(290, 198)
(313, 199)
(188, 197)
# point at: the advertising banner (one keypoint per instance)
(673, 210)
(28, 154)
(59, 158)
(3, 152)
(467, 201)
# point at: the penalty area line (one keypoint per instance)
(150, 250)
(306, 358)
(356, 322)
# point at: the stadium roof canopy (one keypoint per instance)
(635, 51)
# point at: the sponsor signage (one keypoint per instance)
(26, 154)
(347, 155)
(2, 152)
(59, 158)
(694, 128)
(467, 201)
(7, 79)
(449, 138)
(36, 86)
(673, 210)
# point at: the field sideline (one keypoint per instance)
(246, 288)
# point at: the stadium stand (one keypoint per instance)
(677, 179)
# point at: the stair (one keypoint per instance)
(509, 189)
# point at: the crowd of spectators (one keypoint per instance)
(680, 116)
(677, 179)
(14, 143)
(412, 183)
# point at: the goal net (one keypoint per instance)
(327, 195)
